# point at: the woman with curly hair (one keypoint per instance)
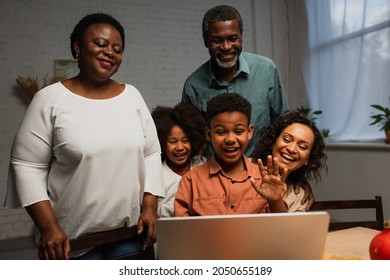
(181, 134)
(296, 144)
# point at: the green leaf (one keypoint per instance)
(318, 112)
(378, 107)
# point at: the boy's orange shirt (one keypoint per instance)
(206, 190)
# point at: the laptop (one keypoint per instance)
(271, 236)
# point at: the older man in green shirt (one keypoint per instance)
(230, 70)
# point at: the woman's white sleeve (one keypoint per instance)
(31, 155)
(152, 153)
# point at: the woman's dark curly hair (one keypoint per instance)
(188, 118)
(87, 21)
(266, 139)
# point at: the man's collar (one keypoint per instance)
(243, 65)
(242, 68)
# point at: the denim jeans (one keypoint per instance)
(112, 250)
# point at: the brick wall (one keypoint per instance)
(163, 45)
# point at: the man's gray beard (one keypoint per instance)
(226, 65)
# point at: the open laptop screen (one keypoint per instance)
(272, 236)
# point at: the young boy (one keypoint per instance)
(225, 184)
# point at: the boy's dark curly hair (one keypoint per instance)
(266, 139)
(87, 21)
(227, 102)
(188, 118)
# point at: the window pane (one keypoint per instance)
(377, 11)
(349, 65)
(352, 15)
(347, 16)
(377, 46)
(337, 17)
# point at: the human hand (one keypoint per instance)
(53, 244)
(272, 186)
(148, 219)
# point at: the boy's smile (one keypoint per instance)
(229, 134)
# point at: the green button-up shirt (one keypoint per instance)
(257, 79)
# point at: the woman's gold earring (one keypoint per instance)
(77, 57)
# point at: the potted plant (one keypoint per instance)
(307, 111)
(382, 120)
(325, 133)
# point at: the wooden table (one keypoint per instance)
(350, 243)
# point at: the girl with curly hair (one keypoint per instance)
(181, 132)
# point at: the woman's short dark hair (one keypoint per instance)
(188, 118)
(216, 14)
(87, 21)
(266, 139)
